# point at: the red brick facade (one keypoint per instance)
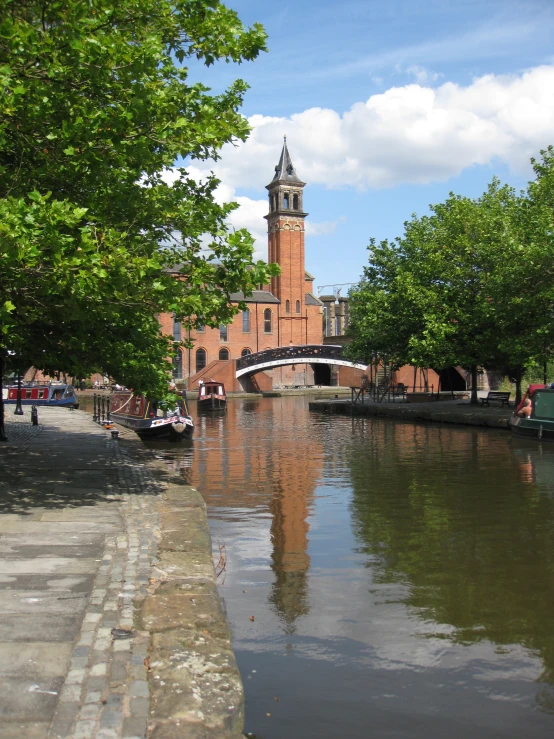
(284, 313)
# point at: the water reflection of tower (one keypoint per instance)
(266, 459)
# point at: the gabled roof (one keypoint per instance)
(258, 296)
(312, 300)
(284, 171)
(308, 276)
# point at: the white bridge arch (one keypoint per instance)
(303, 354)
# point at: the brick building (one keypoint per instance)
(284, 313)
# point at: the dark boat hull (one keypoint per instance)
(63, 403)
(175, 428)
(531, 428)
(212, 403)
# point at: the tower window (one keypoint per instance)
(200, 359)
(224, 354)
(295, 202)
(245, 321)
(223, 334)
(286, 201)
(287, 306)
(298, 306)
(267, 321)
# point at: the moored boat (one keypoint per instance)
(143, 416)
(534, 416)
(211, 396)
(58, 394)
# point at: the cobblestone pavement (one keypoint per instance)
(78, 532)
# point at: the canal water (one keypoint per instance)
(382, 579)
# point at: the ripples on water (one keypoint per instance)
(401, 576)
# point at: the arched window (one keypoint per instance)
(286, 201)
(224, 354)
(298, 306)
(245, 352)
(223, 334)
(295, 202)
(287, 306)
(245, 321)
(178, 366)
(176, 330)
(267, 321)
(200, 359)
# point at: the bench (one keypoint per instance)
(497, 396)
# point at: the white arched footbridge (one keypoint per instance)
(304, 354)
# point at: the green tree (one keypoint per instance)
(469, 285)
(96, 104)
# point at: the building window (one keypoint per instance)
(178, 366)
(295, 202)
(287, 306)
(200, 327)
(286, 201)
(200, 359)
(267, 321)
(223, 333)
(298, 306)
(224, 354)
(245, 352)
(245, 321)
(176, 330)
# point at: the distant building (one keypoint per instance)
(283, 313)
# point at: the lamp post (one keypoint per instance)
(18, 409)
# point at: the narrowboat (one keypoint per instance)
(143, 416)
(534, 416)
(56, 394)
(211, 396)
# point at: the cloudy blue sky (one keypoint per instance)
(387, 107)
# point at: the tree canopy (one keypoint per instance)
(97, 103)
(470, 284)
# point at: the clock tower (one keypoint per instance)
(285, 222)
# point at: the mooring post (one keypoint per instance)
(94, 407)
(34, 415)
(18, 409)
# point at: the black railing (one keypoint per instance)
(301, 353)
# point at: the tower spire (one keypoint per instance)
(284, 171)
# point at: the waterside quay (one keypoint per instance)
(444, 411)
(111, 625)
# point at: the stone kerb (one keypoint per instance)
(195, 684)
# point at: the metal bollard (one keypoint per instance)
(34, 415)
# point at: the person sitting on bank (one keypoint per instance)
(526, 409)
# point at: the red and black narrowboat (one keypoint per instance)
(57, 394)
(211, 396)
(143, 416)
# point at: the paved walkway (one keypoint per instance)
(78, 526)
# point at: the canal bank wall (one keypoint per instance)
(452, 412)
(111, 623)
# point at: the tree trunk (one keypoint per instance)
(474, 399)
(3, 436)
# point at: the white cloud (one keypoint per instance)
(409, 134)
(421, 75)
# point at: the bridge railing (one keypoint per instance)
(302, 353)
